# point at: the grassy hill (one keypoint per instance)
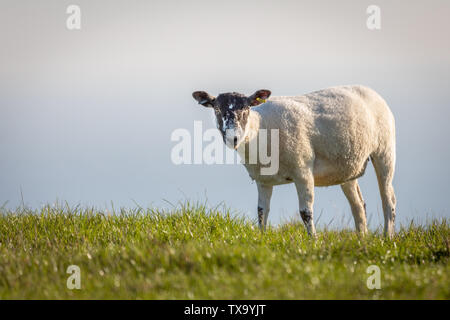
(195, 253)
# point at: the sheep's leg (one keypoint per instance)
(384, 167)
(305, 192)
(353, 193)
(264, 195)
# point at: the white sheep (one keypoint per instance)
(325, 138)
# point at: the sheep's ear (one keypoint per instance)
(204, 98)
(259, 97)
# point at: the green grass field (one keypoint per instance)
(194, 253)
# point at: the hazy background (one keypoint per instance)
(86, 115)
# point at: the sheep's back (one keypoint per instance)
(338, 128)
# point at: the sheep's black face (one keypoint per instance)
(232, 111)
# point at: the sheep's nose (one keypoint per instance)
(235, 141)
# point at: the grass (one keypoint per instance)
(198, 253)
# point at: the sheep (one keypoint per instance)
(326, 138)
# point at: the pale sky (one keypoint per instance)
(86, 115)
